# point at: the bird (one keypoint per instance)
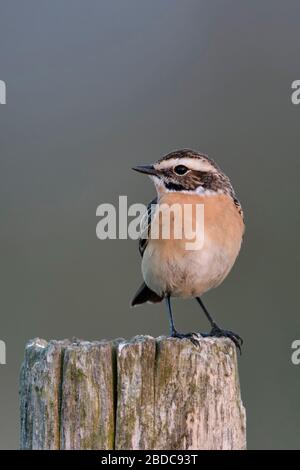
(188, 178)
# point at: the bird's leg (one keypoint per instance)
(218, 332)
(207, 314)
(173, 332)
(172, 326)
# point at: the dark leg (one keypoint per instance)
(207, 314)
(218, 332)
(172, 326)
(173, 332)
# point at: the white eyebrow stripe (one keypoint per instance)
(197, 164)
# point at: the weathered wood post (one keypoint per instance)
(144, 393)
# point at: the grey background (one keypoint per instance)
(96, 87)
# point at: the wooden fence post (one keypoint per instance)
(144, 393)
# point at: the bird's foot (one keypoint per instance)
(191, 336)
(217, 332)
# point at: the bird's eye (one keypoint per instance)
(180, 169)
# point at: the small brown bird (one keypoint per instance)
(186, 178)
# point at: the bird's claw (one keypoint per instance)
(191, 336)
(217, 332)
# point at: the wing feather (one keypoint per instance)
(145, 232)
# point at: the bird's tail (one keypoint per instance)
(144, 294)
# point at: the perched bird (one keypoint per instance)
(188, 178)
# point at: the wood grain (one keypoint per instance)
(145, 393)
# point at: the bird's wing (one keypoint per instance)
(144, 293)
(145, 226)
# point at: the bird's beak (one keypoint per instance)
(147, 169)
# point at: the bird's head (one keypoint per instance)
(186, 171)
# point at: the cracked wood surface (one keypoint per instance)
(144, 393)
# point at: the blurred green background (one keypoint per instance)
(96, 87)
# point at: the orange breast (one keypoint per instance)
(223, 223)
(168, 266)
